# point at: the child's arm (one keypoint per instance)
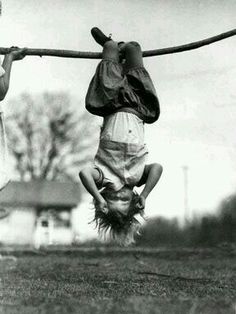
(15, 54)
(151, 176)
(88, 177)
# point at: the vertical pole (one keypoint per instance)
(186, 201)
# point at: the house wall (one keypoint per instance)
(25, 199)
(18, 227)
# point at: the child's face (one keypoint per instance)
(119, 200)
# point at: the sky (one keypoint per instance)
(196, 89)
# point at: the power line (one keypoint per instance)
(186, 196)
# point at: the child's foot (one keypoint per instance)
(98, 36)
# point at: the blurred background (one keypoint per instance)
(51, 136)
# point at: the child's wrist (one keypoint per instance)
(144, 195)
(9, 57)
(99, 198)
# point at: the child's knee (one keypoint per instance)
(4, 179)
(132, 46)
(160, 169)
(133, 55)
(111, 50)
(110, 45)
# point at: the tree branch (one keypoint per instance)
(190, 46)
(148, 53)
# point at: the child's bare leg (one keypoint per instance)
(111, 51)
(133, 55)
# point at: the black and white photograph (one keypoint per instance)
(117, 156)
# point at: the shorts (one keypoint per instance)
(120, 164)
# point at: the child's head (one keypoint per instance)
(119, 221)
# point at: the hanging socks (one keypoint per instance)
(98, 36)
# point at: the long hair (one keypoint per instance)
(120, 227)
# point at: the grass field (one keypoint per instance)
(118, 281)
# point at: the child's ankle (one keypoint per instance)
(111, 51)
(111, 44)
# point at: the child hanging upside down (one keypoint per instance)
(122, 92)
(5, 72)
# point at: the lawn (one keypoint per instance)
(118, 281)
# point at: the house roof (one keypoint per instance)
(41, 194)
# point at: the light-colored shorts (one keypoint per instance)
(121, 155)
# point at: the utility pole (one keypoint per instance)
(186, 200)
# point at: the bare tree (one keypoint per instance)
(50, 136)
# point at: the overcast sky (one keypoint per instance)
(196, 89)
